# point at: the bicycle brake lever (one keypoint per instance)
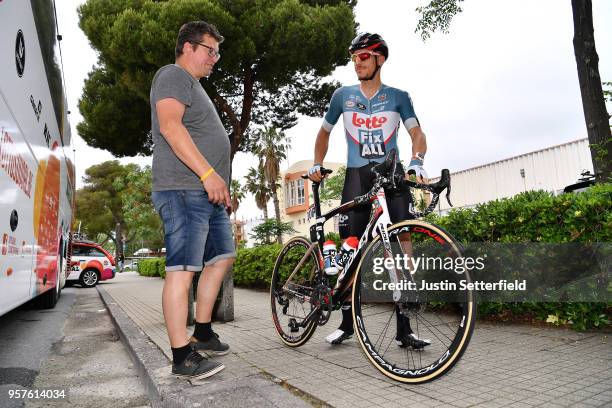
(446, 176)
(448, 195)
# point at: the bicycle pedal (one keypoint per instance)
(293, 326)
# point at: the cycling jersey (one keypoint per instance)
(370, 125)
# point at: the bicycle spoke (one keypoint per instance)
(411, 361)
(386, 349)
(384, 333)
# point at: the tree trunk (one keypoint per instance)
(279, 236)
(265, 211)
(593, 103)
(118, 241)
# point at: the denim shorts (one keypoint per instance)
(197, 232)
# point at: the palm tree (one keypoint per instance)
(271, 148)
(256, 185)
(236, 195)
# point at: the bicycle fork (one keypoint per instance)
(382, 223)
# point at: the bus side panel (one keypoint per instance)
(17, 169)
(36, 106)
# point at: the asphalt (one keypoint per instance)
(72, 351)
(22, 346)
(505, 365)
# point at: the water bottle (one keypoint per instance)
(346, 252)
(329, 256)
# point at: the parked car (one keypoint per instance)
(90, 264)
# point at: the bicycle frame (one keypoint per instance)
(378, 223)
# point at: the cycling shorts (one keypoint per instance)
(358, 181)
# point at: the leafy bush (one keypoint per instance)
(535, 216)
(253, 266)
(152, 267)
(538, 216)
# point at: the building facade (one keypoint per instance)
(295, 198)
(549, 169)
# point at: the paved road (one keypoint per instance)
(72, 347)
(505, 365)
(26, 337)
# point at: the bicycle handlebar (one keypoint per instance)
(436, 189)
(387, 177)
(324, 172)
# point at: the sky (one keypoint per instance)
(502, 82)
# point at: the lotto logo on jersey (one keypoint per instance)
(370, 123)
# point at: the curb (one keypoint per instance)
(164, 390)
(146, 356)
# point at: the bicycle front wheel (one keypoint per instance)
(391, 299)
(292, 290)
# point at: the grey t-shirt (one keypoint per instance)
(202, 123)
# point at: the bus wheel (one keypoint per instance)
(48, 299)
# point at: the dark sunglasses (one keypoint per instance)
(364, 55)
(211, 51)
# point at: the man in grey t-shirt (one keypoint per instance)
(191, 166)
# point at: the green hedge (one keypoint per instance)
(534, 216)
(538, 216)
(152, 267)
(253, 266)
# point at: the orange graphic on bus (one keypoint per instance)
(46, 208)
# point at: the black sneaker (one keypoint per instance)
(196, 366)
(411, 340)
(212, 346)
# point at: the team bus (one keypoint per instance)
(37, 178)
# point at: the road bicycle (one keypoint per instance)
(302, 296)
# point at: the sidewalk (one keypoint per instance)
(505, 365)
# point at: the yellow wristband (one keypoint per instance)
(208, 173)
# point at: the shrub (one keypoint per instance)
(253, 266)
(538, 216)
(533, 216)
(152, 267)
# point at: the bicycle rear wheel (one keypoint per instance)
(292, 290)
(446, 317)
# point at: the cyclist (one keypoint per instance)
(371, 112)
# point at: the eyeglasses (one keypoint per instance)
(211, 51)
(363, 55)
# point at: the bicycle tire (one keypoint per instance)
(286, 261)
(439, 359)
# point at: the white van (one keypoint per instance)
(142, 252)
